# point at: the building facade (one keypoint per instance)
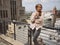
(10, 10)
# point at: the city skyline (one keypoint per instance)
(47, 4)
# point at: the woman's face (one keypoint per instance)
(39, 8)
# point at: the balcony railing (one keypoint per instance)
(22, 33)
(49, 36)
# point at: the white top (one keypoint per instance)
(38, 22)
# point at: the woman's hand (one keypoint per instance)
(38, 21)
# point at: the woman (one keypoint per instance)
(36, 22)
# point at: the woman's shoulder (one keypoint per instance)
(43, 14)
(34, 13)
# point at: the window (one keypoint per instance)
(1, 13)
(4, 14)
(20, 2)
(21, 12)
(0, 2)
(13, 9)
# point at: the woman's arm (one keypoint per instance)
(32, 18)
(40, 20)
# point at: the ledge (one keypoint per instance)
(10, 40)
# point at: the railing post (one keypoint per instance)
(29, 36)
(14, 30)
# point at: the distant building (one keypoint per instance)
(56, 14)
(10, 10)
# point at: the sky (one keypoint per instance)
(47, 4)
